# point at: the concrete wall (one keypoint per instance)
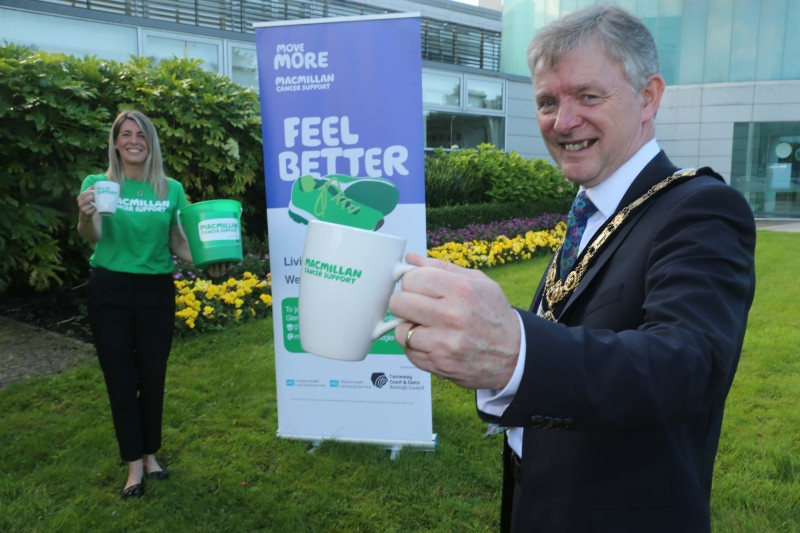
(694, 124)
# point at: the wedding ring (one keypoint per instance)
(408, 336)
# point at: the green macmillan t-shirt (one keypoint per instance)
(136, 237)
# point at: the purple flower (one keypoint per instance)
(509, 228)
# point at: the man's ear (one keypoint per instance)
(651, 96)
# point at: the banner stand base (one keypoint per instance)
(394, 448)
(394, 452)
(315, 444)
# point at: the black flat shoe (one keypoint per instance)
(134, 491)
(160, 475)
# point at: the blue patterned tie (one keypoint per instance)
(582, 209)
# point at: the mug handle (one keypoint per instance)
(385, 327)
(92, 202)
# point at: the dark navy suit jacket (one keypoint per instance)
(622, 400)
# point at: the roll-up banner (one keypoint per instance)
(341, 104)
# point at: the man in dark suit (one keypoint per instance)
(613, 384)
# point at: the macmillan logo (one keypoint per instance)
(379, 379)
(331, 271)
(137, 205)
(295, 56)
(219, 229)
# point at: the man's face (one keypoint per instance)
(591, 119)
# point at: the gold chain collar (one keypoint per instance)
(556, 290)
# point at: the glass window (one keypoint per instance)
(243, 65)
(791, 60)
(743, 53)
(668, 41)
(693, 23)
(718, 41)
(766, 167)
(441, 89)
(771, 36)
(68, 36)
(160, 46)
(484, 94)
(452, 130)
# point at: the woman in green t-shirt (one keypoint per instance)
(131, 303)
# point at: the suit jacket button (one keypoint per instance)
(537, 420)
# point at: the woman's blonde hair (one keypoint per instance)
(153, 165)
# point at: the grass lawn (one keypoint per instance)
(60, 468)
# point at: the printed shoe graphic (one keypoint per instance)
(324, 199)
(377, 193)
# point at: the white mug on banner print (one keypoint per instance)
(347, 276)
(106, 197)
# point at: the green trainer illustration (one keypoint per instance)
(324, 199)
(377, 193)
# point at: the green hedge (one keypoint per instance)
(488, 175)
(56, 112)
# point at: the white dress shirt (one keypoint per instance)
(606, 196)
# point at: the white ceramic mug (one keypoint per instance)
(347, 276)
(106, 197)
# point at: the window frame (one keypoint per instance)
(145, 33)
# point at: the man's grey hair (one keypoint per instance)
(624, 37)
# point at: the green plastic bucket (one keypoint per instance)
(213, 230)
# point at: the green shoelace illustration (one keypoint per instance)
(338, 198)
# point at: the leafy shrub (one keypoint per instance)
(527, 180)
(489, 175)
(56, 113)
(53, 135)
(451, 179)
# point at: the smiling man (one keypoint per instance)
(612, 385)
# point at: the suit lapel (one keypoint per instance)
(656, 170)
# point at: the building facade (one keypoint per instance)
(733, 86)
(731, 67)
(465, 93)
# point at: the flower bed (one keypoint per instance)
(487, 232)
(204, 304)
(501, 250)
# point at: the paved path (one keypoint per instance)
(792, 226)
(27, 351)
